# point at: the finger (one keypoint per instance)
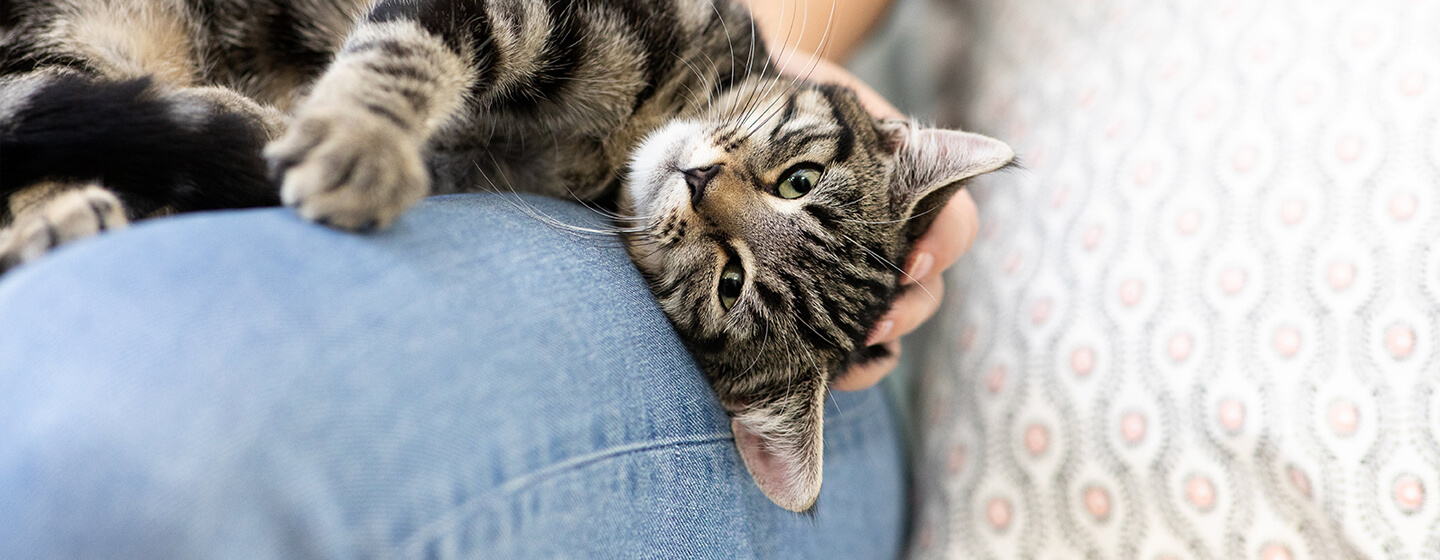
(951, 235)
(914, 306)
(866, 375)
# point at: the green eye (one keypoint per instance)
(732, 280)
(798, 182)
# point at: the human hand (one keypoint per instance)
(951, 235)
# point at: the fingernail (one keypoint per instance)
(882, 330)
(920, 266)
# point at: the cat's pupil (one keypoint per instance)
(732, 281)
(798, 182)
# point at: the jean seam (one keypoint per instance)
(414, 545)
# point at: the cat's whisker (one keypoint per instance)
(810, 65)
(691, 96)
(515, 200)
(897, 269)
(710, 111)
(764, 343)
(788, 57)
(898, 221)
(789, 32)
(730, 43)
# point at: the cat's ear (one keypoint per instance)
(931, 163)
(782, 446)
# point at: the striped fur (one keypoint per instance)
(666, 110)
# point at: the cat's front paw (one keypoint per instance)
(349, 170)
(68, 216)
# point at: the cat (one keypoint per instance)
(766, 212)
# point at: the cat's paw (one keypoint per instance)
(350, 170)
(68, 216)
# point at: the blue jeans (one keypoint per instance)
(471, 383)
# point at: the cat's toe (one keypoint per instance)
(348, 171)
(69, 216)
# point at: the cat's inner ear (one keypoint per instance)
(931, 163)
(782, 447)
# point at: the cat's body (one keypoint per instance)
(765, 212)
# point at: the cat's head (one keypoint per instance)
(771, 232)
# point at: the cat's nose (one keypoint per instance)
(698, 178)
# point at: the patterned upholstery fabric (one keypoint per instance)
(1204, 322)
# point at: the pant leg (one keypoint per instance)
(472, 383)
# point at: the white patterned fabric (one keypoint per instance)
(1204, 322)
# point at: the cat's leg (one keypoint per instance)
(190, 148)
(117, 101)
(49, 214)
(352, 157)
(414, 71)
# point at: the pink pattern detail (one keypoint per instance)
(1245, 158)
(1364, 36)
(1040, 311)
(1409, 493)
(1037, 439)
(1200, 491)
(1116, 129)
(995, 380)
(1146, 172)
(1013, 262)
(1188, 222)
(1227, 10)
(1179, 347)
(1340, 275)
(1349, 149)
(1286, 342)
(1231, 414)
(998, 512)
(1206, 108)
(1413, 83)
(1276, 552)
(1305, 93)
(1262, 51)
(1344, 418)
(1292, 211)
(989, 229)
(956, 461)
(1168, 72)
(1403, 206)
(1232, 281)
(1097, 502)
(1400, 341)
(1082, 361)
(1132, 427)
(1131, 291)
(1091, 238)
(1299, 480)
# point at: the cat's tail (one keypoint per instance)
(187, 149)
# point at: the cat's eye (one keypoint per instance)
(732, 280)
(798, 182)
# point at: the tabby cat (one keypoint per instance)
(765, 212)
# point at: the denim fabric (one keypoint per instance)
(472, 383)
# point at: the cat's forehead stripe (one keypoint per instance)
(805, 110)
(846, 138)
